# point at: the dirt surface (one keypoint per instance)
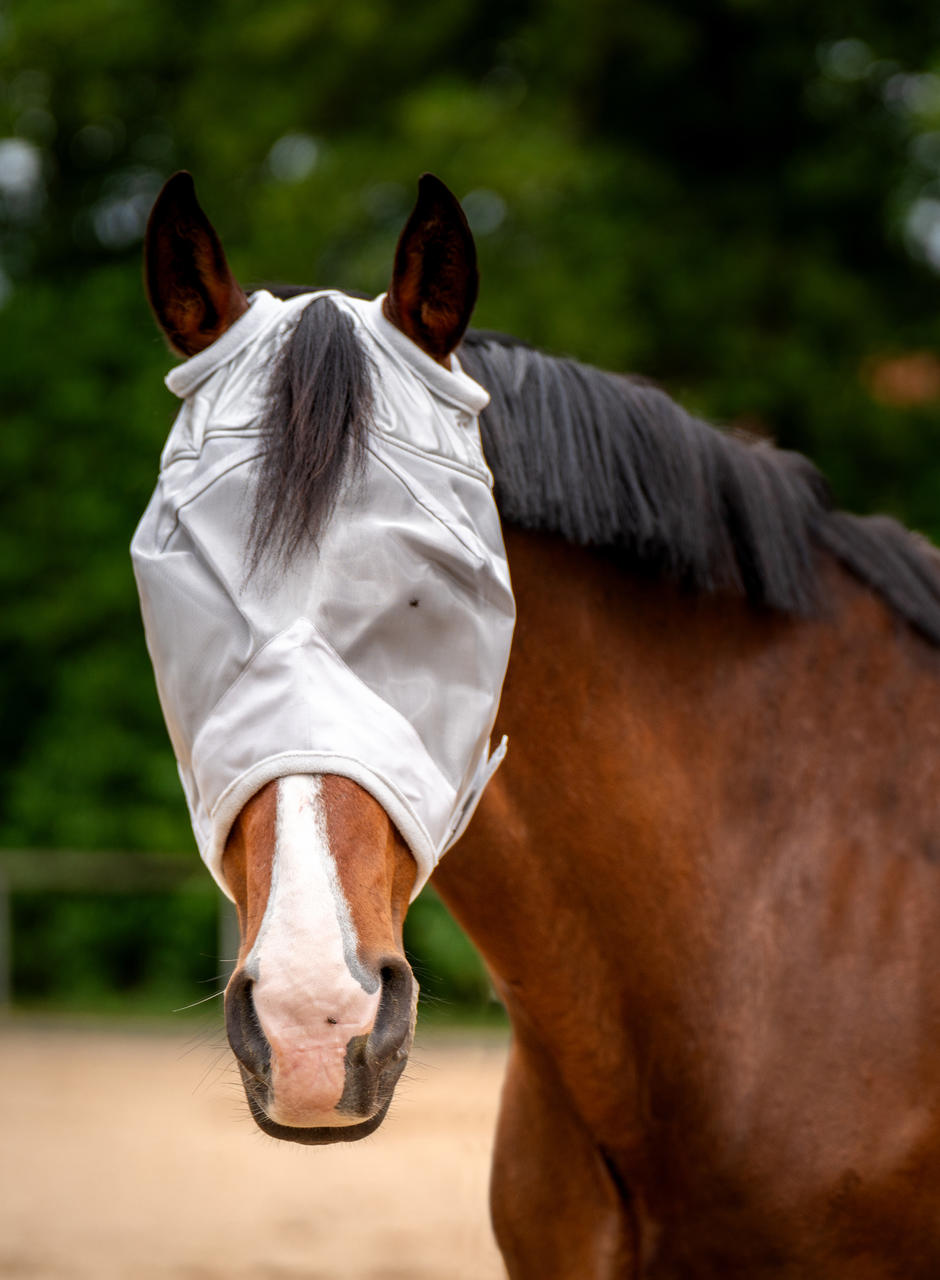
(130, 1154)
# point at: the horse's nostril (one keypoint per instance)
(393, 1020)
(248, 1041)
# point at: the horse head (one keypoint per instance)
(321, 835)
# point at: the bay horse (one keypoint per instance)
(706, 881)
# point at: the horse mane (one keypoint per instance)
(601, 459)
(612, 461)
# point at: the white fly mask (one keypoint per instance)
(379, 653)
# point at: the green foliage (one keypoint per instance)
(740, 198)
(97, 950)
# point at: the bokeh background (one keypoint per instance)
(738, 198)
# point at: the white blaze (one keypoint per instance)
(309, 1000)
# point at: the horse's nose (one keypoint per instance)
(390, 1037)
(323, 1071)
(245, 1036)
(374, 1062)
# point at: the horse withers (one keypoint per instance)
(705, 879)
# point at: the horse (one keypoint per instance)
(706, 879)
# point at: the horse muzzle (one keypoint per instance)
(326, 1078)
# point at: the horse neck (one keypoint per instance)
(609, 711)
(665, 751)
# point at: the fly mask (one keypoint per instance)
(377, 654)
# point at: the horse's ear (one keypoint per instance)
(194, 295)
(434, 284)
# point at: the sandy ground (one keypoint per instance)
(130, 1154)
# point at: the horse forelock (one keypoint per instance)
(314, 431)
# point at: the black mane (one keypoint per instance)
(601, 459)
(611, 461)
